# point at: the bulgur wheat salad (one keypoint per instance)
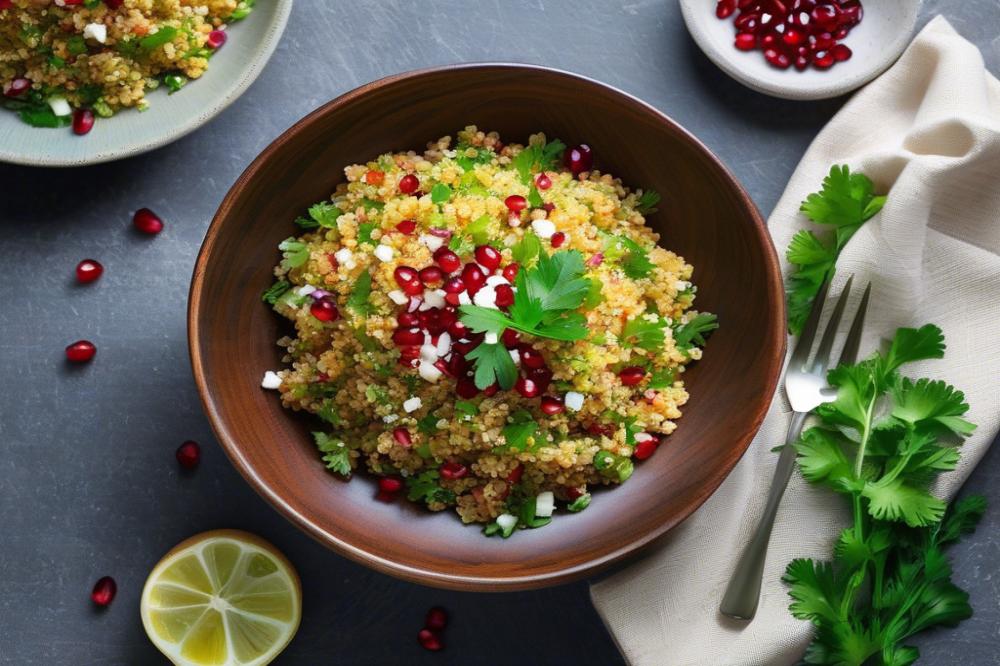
(64, 62)
(485, 326)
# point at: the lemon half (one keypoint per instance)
(222, 598)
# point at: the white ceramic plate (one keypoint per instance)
(877, 41)
(169, 117)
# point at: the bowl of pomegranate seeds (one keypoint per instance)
(801, 49)
(479, 362)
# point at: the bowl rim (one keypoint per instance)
(208, 113)
(427, 576)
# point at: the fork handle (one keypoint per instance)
(743, 591)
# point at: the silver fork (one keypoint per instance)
(804, 385)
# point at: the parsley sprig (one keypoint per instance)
(846, 201)
(538, 157)
(880, 443)
(548, 295)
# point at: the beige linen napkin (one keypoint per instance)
(929, 128)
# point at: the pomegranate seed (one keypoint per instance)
(601, 429)
(104, 591)
(515, 203)
(81, 351)
(558, 238)
(408, 319)
(527, 387)
(440, 232)
(457, 330)
(631, 375)
(841, 33)
(531, 358)
(826, 17)
(747, 22)
(147, 222)
(841, 52)
(409, 354)
(646, 448)
(18, 86)
(510, 337)
(429, 640)
(505, 296)
(509, 271)
(433, 323)
(389, 485)
(488, 257)
(407, 227)
(216, 39)
(447, 260)
(777, 59)
(409, 184)
(188, 454)
(801, 62)
(437, 619)
(548, 207)
(770, 40)
(404, 275)
(453, 470)
(823, 41)
(823, 60)
(114, 4)
(579, 159)
(472, 276)
(405, 337)
(443, 366)
(552, 405)
(88, 270)
(516, 474)
(725, 8)
(402, 435)
(793, 37)
(542, 376)
(373, 177)
(746, 41)
(431, 275)
(573, 493)
(447, 317)
(596, 259)
(325, 310)
(492, 389)
(454, 285)
(466, 388)
(542, 181)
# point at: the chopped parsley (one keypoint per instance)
(427, 424)
(538, 157)
(336, 455)
(520, 433)
(276, 291)
(294, 253)
(693, 332)
(323, 214)
(424, 487)
(632, 257)
(365, 230)
(527, 249)
(647, 202)
(440, 193)
(162, 36)
(643, 333)
(357, 302)
(662, 379)
(174, 82)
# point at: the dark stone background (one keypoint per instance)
(88, 481)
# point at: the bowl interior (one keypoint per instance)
(705, 216)
(169, 117)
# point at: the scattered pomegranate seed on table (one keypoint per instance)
(429, 640)
(216, 39)
(81, 351)
(188, 454)
(88, 270)
(437, 619)
(147, 222)
(104, 591)
(83, 121)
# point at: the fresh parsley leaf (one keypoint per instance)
(440, 193)
(336, 455)
(632, 257)
(424, 487)
(521, 429)
(76, 45)
(493, 366)
(276, 291)
(557, 282)
(324, 214)
(538, 157)
(466, 409)
(595, 295)
(295, 253)
(693, 332)
(174, 82)
(365, 230)
(640, 332)
(468, 156)
(357, 302)
(534, 198)
(162, 36)
(579, 504)
(243, 9)
(328, 412)
(647, 202)
(526, 250)
(43, 117)
(477, 230)
(427, 424)
(662, 378)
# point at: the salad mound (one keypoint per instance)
(486, 326)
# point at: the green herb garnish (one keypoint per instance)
(294, 253)
(440, 193)
(174, 82)
(162, 36)
(538, 157)
(336, 455)
(647, 202)
(276, 291)
(424, 487)
(693, 332)
(521, 428)
(357, 302)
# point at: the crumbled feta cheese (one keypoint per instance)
(384, 253)
(428, 353)
(60, 106)
(414, 403)
(305, 290)
(434, 298)
(543, 228)
(398, 297)
(345, 257)
(485, 297)
(428, 372)
(463, 298)
(506, 521)
(681, 285)
(432, 242)
(643, 437)
(95, 31)
(496, 280)
(444, 344)
(514, 220)
(573, 401)
(515, 356)
(271, 380)
(491, 338)
(389, 418)
(545, 504)
(404, 473)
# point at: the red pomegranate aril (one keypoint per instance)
(552, 405)
(409, 354)
(770, 40)
(17, 87)
(826, 17)
(542, 376)
(431, 275)
(491, 390)
(429, 640)
(579, 158)
(104, 591)
(851, 14)
(405, 337)
(747, 22)
(447, 317)
(453, 470)
(413, 288)
(515, 203)
(509, 271)
(407, 227)
(516, 474)
(457, 330)
(405, 275)
(390, 485)
(505, 296)
(447, 260)
(777, 59)
(601, 429)
(558, 238)
(841, 33)
(841, 52)
(745, 41)
(408, 319)
(325, 310)
(725, 8)
(488, 257)
(409, 184)
(793, 37)
(466, 388)
(646, 448)
(823, 41)
(573, 493)
(114, 4)
(402, 436)
(188, 454)
(801, 62)
(527, 387)
(81, 351)
(88, 270)
(632, 375)
(510, 338)
(437, 619)
(823, 60)
(473, 277)
(147, 221)
(531, 358)
(216, 39)
(454, 285)
(542, 181)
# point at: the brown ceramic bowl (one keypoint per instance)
(705, 216)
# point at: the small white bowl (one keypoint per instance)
(876, 42)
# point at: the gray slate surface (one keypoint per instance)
(88, 483)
